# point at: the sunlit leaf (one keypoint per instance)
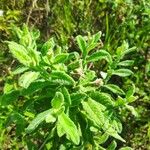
(82, 45)
(61, 58)
(122, 72)
(67, 98)
(102, 98)
(20, 53)
(58, 100)
(114, 88)
(101, 54)
(60, 75)
(37, 120)
(69, 127)
(49, 45)
(27, 78)
(126, 63)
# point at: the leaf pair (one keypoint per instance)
(87, 46)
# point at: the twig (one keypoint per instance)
(30, 12)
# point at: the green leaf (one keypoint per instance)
(35, 34)
(20, 53)
(49, 45)
(112, 132)
(62, 76)
(60, 130)
(8, 88)
(17, 31)
(131, 99)
(73, 56)
(69, 127)
(114, 88)
(35, 56)
(130, 92)
(132, 110)
(76, 98)
(67, 98)
(94, 112)
(129, 50)
(9, 98)
(103, 138)
(120, 101)
(117, 125)
(58, 100)
(102, 98)
(50, 118)
(122, 72)
(126, 63)
(93, 42)
(37, 120)
(82, 45)
(27, 78)
(88, 77)
(36, 86)
(19, 70)
(58, 50)
(124, 49)
(73, 65)
(112, 146)
(121, 49)
(91, 46)
(61, 58)
(96, 37)
(101, 54)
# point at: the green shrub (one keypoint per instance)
(68, 100)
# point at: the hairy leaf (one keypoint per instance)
(70, 128)
(58, 100)
(94, 109)
(27, 78)
(37, 120)
(20, 53)
(126, 63)
(20, 70)
(61, 58)
(67, 98)
(60, 130)
(60, 75)
(114, 88)
(96, 37)
(122, 72)
(49, 45)
(101, 54)
(102, 98)
(82, 45)
(76, 98)
(112, 132)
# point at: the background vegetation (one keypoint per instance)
(120, 21)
